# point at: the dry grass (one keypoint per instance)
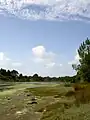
(81, 92)
(66, 111)
(54, 103)
(82, 86)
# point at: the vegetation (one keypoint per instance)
(68, 99)
(49, 90)
(14, 76)
(48, 102)
(83, 68)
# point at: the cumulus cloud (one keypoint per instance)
(47, 58)
(39, 51)
(6, 62)
(41, 54)
(47, 9)
(76, 59)
(3, 59)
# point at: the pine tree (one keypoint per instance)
(83, 68)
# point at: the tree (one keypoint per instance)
(20, 76)
(14, 73)
(83, 68)
(3, 72)
(35, 77)
(8, 73)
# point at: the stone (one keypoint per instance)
(33, 102)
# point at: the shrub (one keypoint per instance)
(78, 87)
(82, 93)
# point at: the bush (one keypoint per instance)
(82, 93)
(78, 87)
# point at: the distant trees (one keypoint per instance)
(14, 73)
(3, 72)
(14, 76)
(83, 68)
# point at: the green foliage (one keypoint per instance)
(83, 68)
(14, 76)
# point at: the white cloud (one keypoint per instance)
(7, 63)
(39, 51)
(41, 55)
(47, 58)
(3, 59)
(76, 59)
(47, 9)
(1, 55)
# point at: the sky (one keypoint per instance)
(42, 36)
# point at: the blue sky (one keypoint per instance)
(42, 36)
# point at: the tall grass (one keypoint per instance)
(82, 93)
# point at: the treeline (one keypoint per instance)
(15, 76)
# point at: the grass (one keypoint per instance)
(9, 89)
(54, 102)
(49, 91)
(66, 109)
(60, 111)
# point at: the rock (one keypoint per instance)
(29, 102)
(8, 98)
(56, 96)
(28, 94)
(19, 113)
(33, 98)
(62, 96)
(33, 102)
(24, 111)
(13, 107)
(42, 110)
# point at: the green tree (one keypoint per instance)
(8, 73)
(35, 77)
(3, 72)
(83, 68)
(14, 73)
